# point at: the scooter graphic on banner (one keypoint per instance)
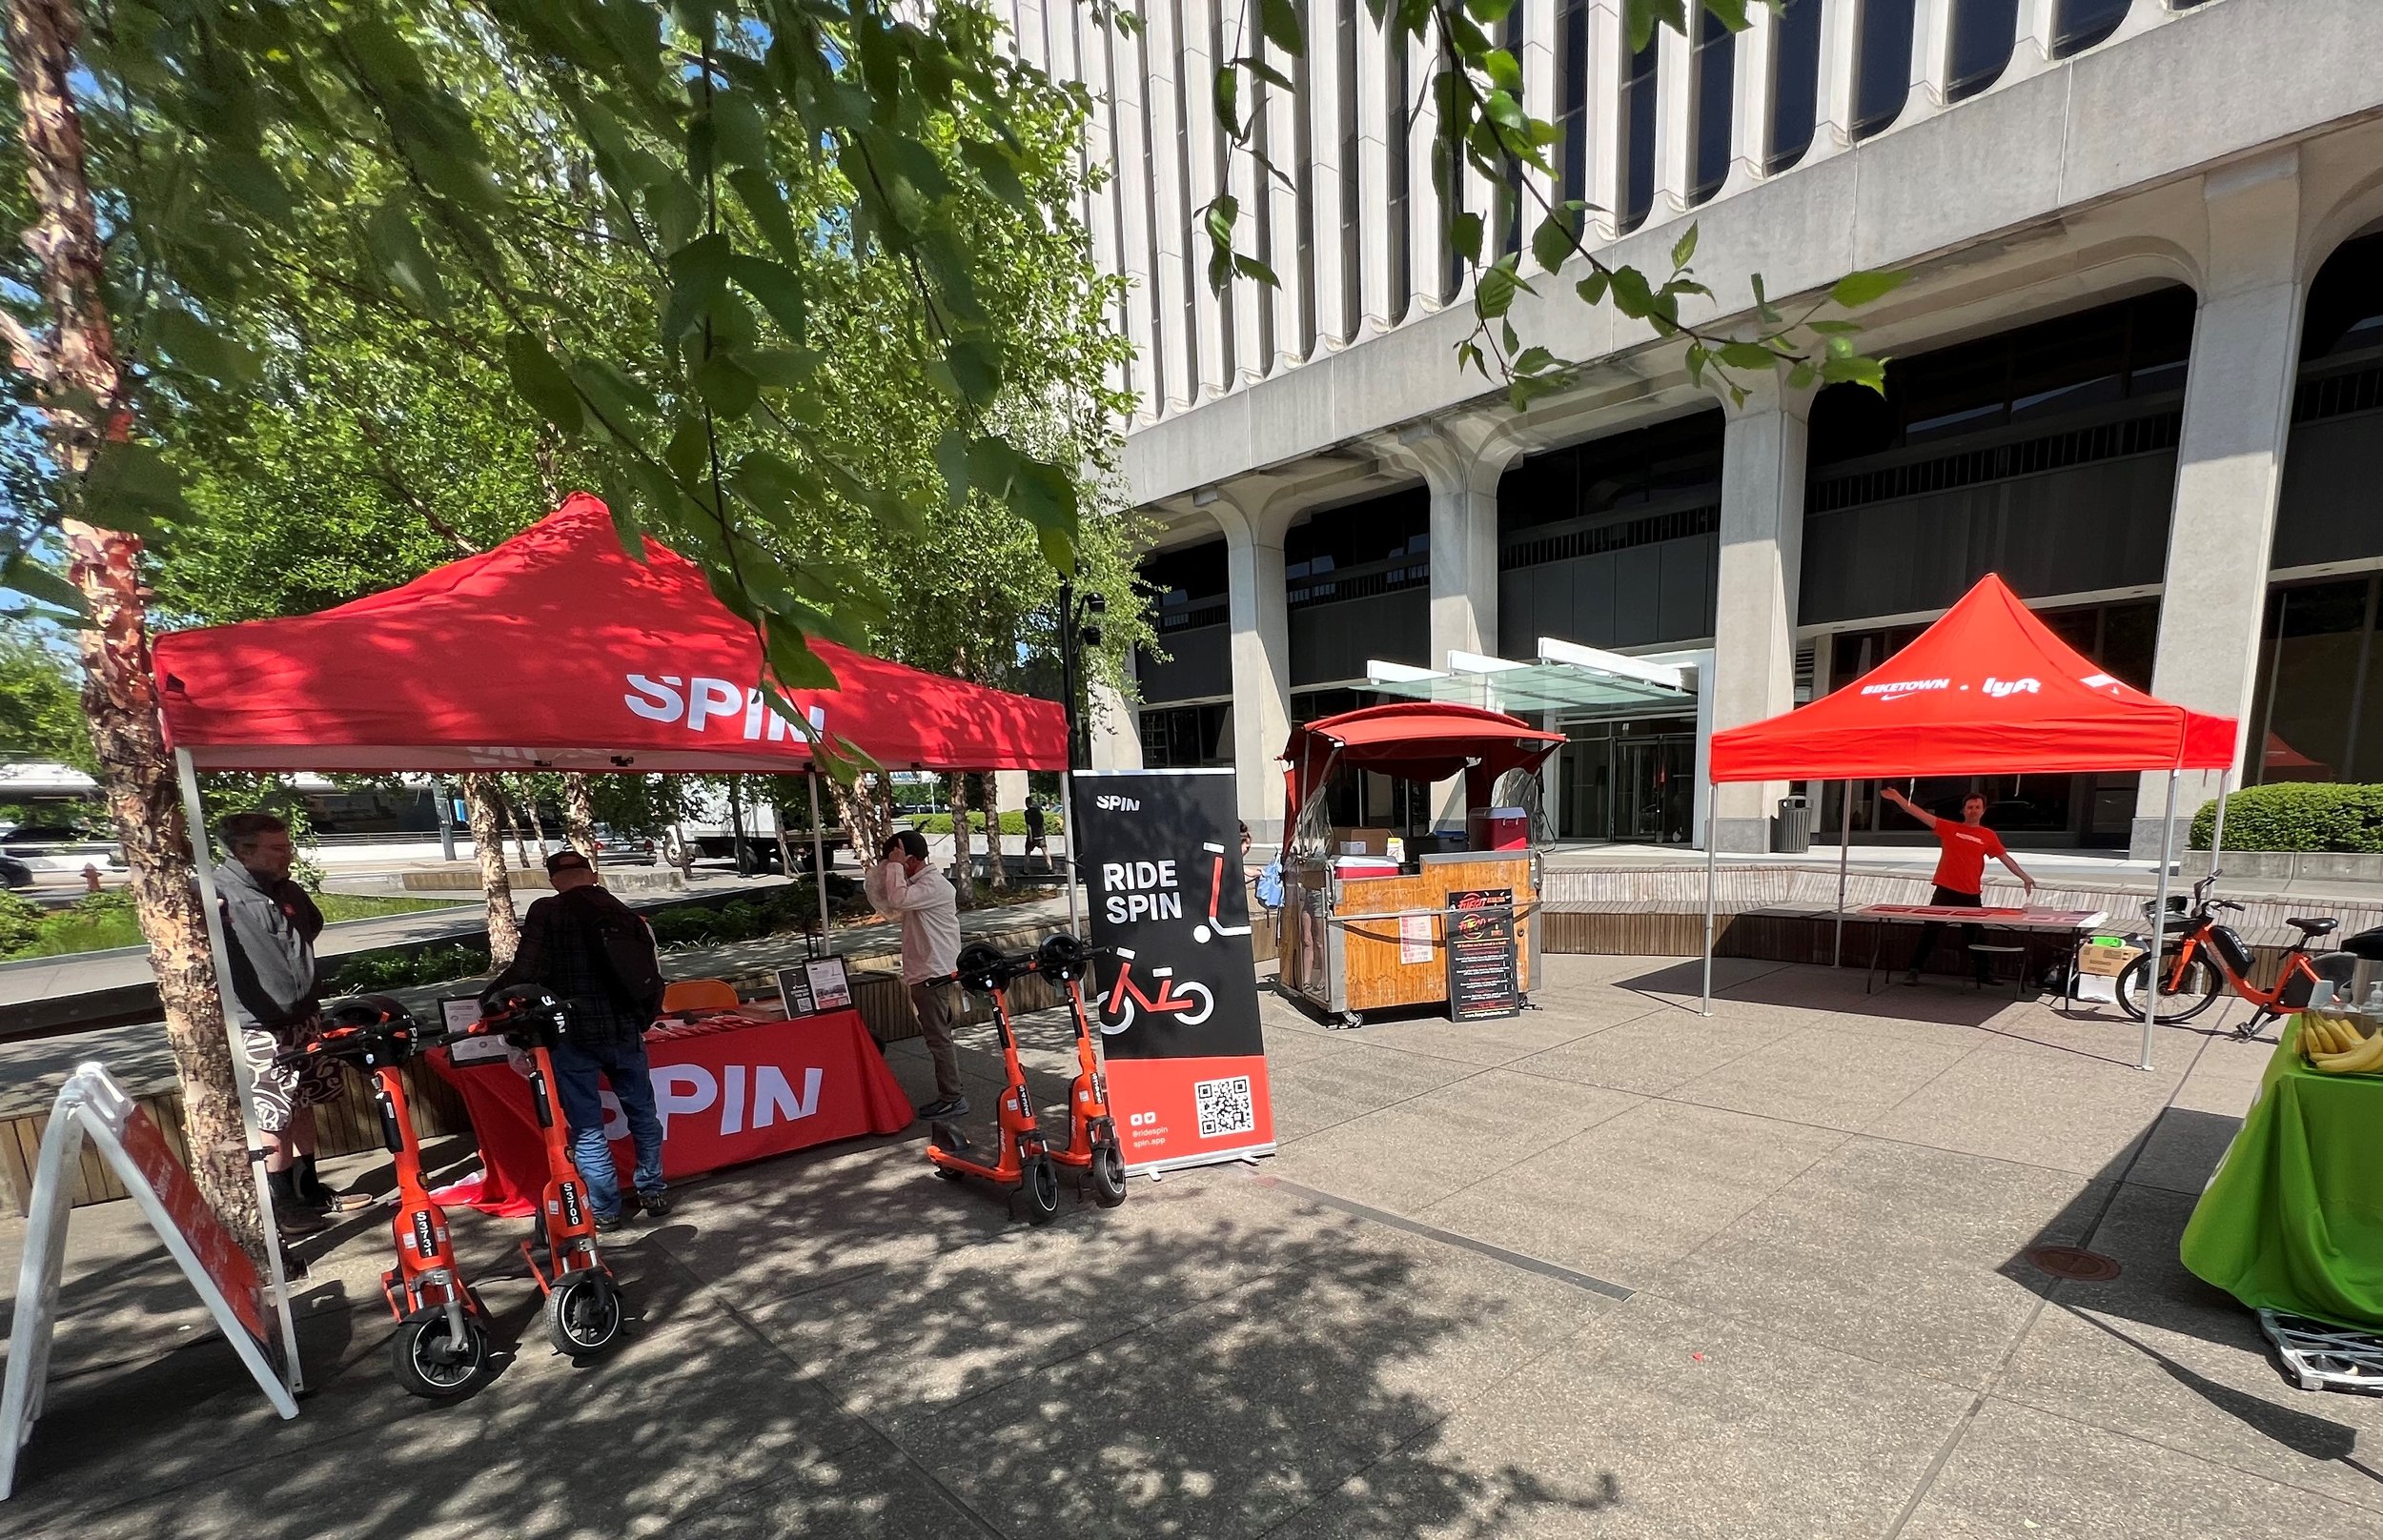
(1125, 995)
(1215, 894)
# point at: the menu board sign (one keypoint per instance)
(1484, 975)
(815, 987)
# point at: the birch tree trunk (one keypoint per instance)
(512, 824)
(963, 878)
(78, 382)
(866, 822)
(579, 815)
(484, 808)
(538, 824)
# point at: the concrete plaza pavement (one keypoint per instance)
(1606, 1269)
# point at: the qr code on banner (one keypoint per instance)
(1225, 1107)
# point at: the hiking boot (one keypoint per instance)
(950, 1106)
(607, 1222)
(656, 1205)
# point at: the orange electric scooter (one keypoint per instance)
(1019, 1161)
(440, 1351)
(1092, 1145)
(583, 1305)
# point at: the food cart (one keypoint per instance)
(1370, 927)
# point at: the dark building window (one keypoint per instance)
(1638, 130)
(1984, 34)
(1358, 582)
(1572, 95)
(1671, 464)
(1189, 610)
(1795, 81)
(1188, 585)
(2330, 508)
(2079, 23)
(1352, 183)
(1881, 65)
(1713, 67)
(1187, 738)
(2316, 714)
(1395, 143)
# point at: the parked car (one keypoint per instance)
(14, 873)
(614, 848)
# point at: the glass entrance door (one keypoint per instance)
(1632, 781)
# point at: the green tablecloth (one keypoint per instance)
(2294, 1218)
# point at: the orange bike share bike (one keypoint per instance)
(2200, 958)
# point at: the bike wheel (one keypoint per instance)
(2187, 998)
(430, 1361)
(1108, 1174)
(583, 1313)
(1208, 1003)
(1040, 1183)
(1125, 1015)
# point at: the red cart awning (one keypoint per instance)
(1415, 741)
(1987, 689)
(559, 651)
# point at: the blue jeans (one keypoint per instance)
(579, 1071)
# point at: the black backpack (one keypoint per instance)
(619, 936)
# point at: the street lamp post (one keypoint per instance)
(1079, 621)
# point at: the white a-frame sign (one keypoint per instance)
(91, 1105)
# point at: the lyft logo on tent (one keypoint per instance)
(1999, 688)
(705, 700)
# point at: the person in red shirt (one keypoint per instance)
(1959, 871)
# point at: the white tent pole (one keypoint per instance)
(1845, 844)
(2159, 920)
(818, 865)
(1066, 833)
(1712, 801)
(2217, 837)
(218, 949)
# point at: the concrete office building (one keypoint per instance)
(2138, 371)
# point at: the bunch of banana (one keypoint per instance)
(2334, 1047)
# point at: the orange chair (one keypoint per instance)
(699, 994)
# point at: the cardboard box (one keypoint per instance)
(1362, 842)
(2105, 961)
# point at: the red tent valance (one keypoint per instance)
(557, 650)
(1987, 689)
(1415, 741)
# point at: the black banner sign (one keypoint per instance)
(1484, 976)
(1160, 851)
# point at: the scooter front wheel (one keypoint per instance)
(1040, 1183)
(583, 1313)
(1108, 1174)
(432, 1361)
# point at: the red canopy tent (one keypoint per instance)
(1987, 689)
(1415, 741)
(555, 651)
(558, 650)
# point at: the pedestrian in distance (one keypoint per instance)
(1960, 872)
(596, 955)
(269, 926)
(1034, 838)
(901, 883)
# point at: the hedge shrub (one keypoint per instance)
(1012, 821)
(2296, 814)
(387, 968)
(20, 923)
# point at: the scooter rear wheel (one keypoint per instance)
(431, 1363)
(1108, 1174)
(583, 1313)
(1040, 1183)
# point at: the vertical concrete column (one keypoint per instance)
(1203, 138)
(1327, 90)
(1833, 95)
(1609, 56)
(1291, 303)
(1111, 246)
(1116, 730)
(1750, 101)
(2230, 462)
(1540, 100)
(1675, 119)
(1373, 88)
(2140, 17)
(1172, 211)
(1761, 565)
(1253, 515)
(1931, 59)
(2031, 50)
(1121, 55)
(1427, 215)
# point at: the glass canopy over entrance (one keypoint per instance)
(1564, 679)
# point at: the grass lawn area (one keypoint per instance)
(77, 930)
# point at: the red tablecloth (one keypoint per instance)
(730, 1089)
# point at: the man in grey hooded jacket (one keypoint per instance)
(271, 925)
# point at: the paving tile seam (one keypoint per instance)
(1770, 1329)
(1456, 1238)
(804, 1374)
(2027, 1328)
(2021, 1403)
